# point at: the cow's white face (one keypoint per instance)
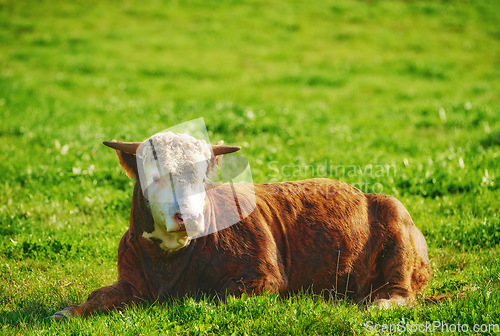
(175, 167)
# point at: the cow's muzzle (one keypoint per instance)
(193, 224)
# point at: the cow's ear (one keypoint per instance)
(129, 163)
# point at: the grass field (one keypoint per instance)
(399, 97)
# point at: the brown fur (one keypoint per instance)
(318, 234)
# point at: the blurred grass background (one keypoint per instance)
(408, 89)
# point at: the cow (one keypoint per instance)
(319, 235)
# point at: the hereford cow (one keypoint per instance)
(319, 234)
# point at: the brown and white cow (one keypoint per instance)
(318, 234)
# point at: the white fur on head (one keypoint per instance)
(175, 167)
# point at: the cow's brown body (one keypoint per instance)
(317, 234)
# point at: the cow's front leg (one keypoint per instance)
(115, 296)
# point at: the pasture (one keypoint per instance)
(397, 97)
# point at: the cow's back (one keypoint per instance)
(324, 234)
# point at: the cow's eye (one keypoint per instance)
(156, 179)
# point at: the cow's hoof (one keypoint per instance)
(394, 302)
(65, 313)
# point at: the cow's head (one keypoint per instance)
(172, 170)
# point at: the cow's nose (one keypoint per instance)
(182, 218)
(191, 223)
(178, 218)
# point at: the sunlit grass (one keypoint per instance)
(391, 96)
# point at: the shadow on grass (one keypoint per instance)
(28, 313)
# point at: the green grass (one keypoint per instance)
(399, 97)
